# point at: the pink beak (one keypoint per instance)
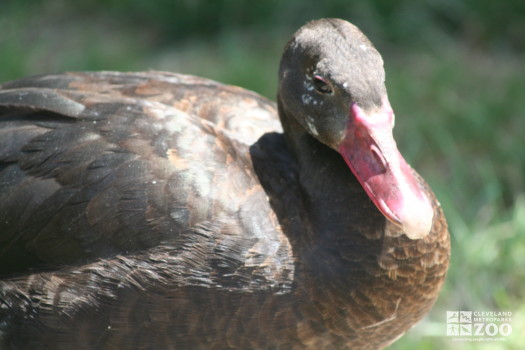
(371, 153)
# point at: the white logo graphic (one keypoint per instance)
(478, 325)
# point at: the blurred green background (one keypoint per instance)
(455, 76)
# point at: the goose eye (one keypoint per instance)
(321, 85)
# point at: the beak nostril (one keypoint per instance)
(380, 165)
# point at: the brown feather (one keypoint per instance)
(165, 211)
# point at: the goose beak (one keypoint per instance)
(371, 153)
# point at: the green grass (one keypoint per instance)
(458, 91)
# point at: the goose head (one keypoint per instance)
(332, 83)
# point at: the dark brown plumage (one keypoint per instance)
(164, 211)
